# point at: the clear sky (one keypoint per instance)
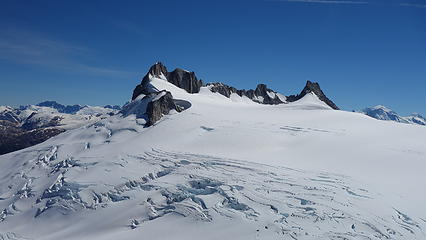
(363, 53)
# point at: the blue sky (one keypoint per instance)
(362, 53)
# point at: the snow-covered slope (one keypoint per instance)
(225, 168)
(383, 113)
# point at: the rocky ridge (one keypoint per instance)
(179, 77)
(144, 93)
(262, 94)
(313, 87)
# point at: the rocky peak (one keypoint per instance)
(179, 77)
(153, 106)
(185, 80)
(160, 106)
(262, 94)
(223, 89)
(157, 69)
(313, 87)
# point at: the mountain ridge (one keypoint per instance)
(26, 126)
(381, 112)
(188, 81)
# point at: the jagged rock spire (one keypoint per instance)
(157, 69)
(262, 94)
(179, 77)
(313, 87)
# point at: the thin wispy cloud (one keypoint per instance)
(130, 27)
(413, 5)
(349, 2)
(29, 48)
(327, 1)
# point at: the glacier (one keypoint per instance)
(224, 168)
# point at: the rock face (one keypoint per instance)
(185, 80)
(224, 89)
(261, 94)
(264, 95)
(313, 87)
(153, 106)
(14, 138)
(161, 105)
(179, 77)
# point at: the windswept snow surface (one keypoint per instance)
(222, 169)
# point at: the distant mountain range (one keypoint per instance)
(70, 109)
(383, 113)
(32, 124)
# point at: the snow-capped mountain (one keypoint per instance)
(383, 113)
(416, 118)
(183, 161)
(28, 125)
(59, 107)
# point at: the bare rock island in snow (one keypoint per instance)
(152, 103)
(179, 77)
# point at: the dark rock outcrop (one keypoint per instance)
(154, 106)
(160, 106)
(262, 94)
(179, 77)
(313, 87)
(14, 138)
(224, 89)
(185, 80)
